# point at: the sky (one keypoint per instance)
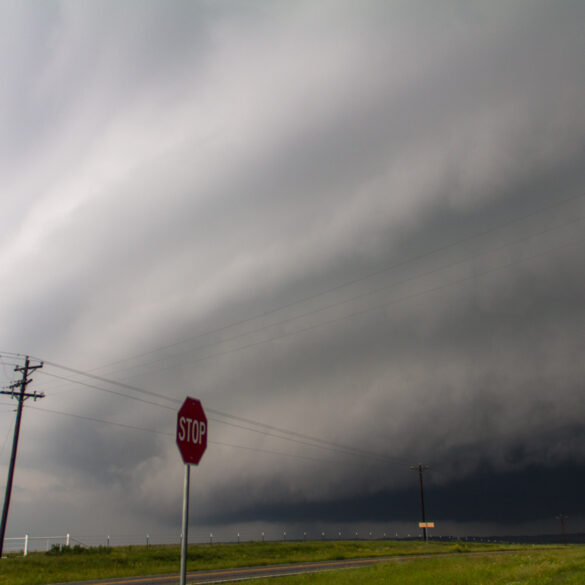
(353, 230)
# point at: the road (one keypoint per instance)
(233, 575)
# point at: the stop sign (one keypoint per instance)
(191, 431)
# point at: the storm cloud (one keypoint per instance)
(362, 223)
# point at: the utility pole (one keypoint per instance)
(562, 518)
(421, 468)
(20, 397)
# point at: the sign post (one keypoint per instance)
(192, 442)
(185, 526)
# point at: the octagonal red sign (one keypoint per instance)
(191, 431)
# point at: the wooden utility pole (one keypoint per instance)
(420, 468)
(20, 396)
(562, 518)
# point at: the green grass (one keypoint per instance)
(96, 563)
(537, 566)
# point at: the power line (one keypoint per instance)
(345, 448)
(368, 309)
(109, 381)
(368, 276)
(113, 392)
(6, 438)
(12, 354)
(382, 305)
(338, 448)
(100, 420)
(217, 412)
(385, 304)
(300, 438)
(5, 364)
(354, 298)
(219, 443)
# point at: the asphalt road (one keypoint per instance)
(233, 575)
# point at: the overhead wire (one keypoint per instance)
(210, 441)
(385, 304)
(313, 326)
(109, 391)
(7, 436)
(352, 299)
(108, 380)
(7, 375)
(336, 304)
(351, 282)
(273, 431)
(276, 429)
(12, 354)
(345, 448)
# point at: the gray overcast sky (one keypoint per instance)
(359, 221)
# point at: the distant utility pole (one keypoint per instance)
(20, 397)
(562, 519)
(421, 468)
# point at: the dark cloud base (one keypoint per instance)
(508, 498)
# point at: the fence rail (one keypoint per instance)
(27, 542)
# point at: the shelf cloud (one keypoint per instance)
(357, 228)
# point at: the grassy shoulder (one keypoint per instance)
(101, 562)
(532, 566)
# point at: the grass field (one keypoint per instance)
(539, 566)
(521, 565)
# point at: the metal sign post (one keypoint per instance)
(192, 442)
(185, 526)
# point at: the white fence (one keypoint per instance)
(27, 542)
